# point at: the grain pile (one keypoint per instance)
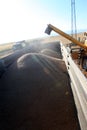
(50, 52)
(35, 95)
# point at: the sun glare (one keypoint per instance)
(19, 23)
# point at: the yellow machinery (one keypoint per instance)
(51, 27)
(81, 54)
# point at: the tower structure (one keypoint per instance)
(73, 20)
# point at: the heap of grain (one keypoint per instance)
(35, 94)
(52, 49)
(50, 52)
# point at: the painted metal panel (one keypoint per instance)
(78, 85)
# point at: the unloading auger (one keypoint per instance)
(81, 54)
(51, 27)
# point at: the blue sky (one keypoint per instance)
(27, 19)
